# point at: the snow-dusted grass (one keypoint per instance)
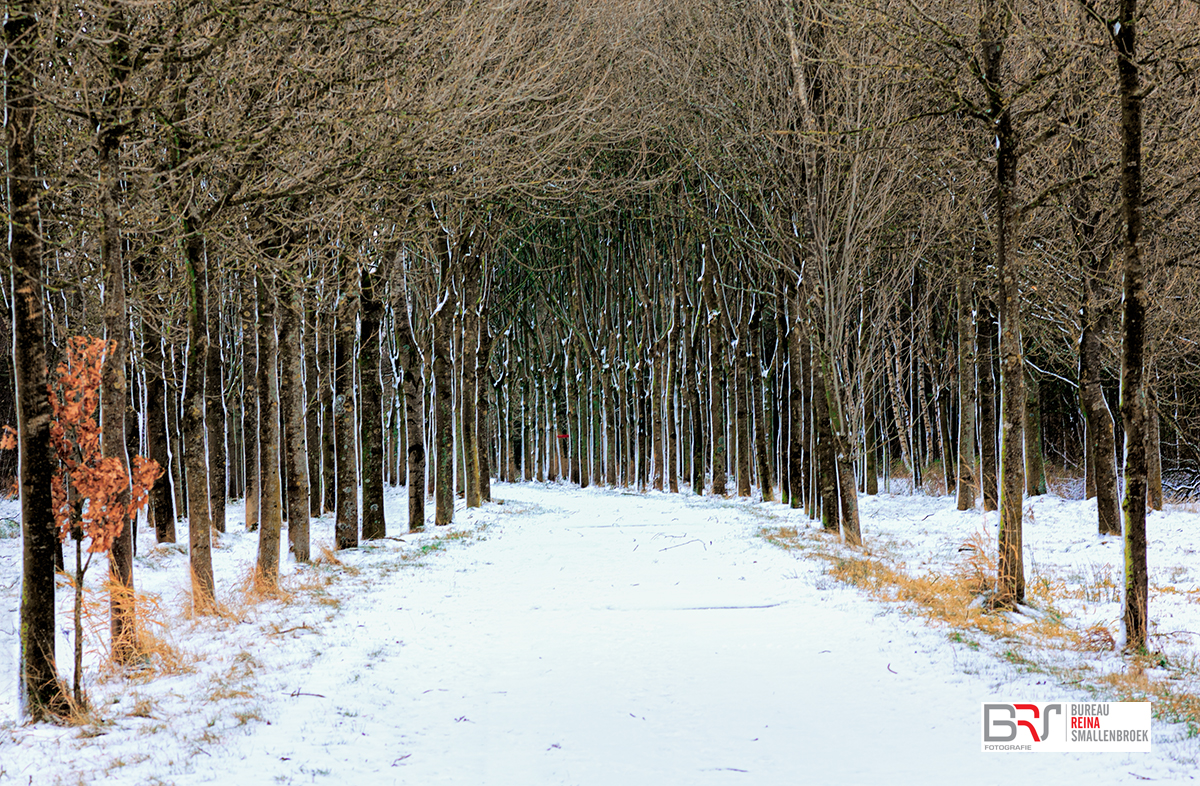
(603, 636)
(1069, 630)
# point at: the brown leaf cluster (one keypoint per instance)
(93, 495)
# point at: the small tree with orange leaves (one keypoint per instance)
(87, 487)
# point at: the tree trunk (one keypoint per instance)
(162, 504)
(1154, 487)
(414, 413)
(1101, 437)
(292, 410)
(871, 447)
(766, 482)
(1035, 465)
(741, 407)
(344, 430)
(374, 526)
(312, 412)
(672, 424)
(968, 486)
(472, 280)
(985, 334)
(41, 693)
(841, 445)
(1010, 581)
(485, 431)
(325, 335)
(250, 417)
(443, 369)
(1134, 303)
(656, 402)
(199, 525)
(718, 368)
(797, 434)
(270, 508)
(114, 394)
(214, 416)
(826, 461)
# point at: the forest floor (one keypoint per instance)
(562, 636)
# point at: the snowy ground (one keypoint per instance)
(594, 637)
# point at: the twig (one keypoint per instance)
(677, 545)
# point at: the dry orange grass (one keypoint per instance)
(253, 588)
(953, 599)
(153, 652)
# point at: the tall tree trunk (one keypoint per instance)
(718, 368)
(312, 411)
(783, 395)
(175, 405)
(797, 433)
(250, 395)
(292, 411)
(871, 445)
(1154, 487)
(344, 431)
(114, 394)
(1035, 465)
(41, 693)
(968, 485)
(374, 526)
(325, 338)
(270, 507)
(413, 380)
(692, 392)
(766, 482)
(1010, 582)
(472, 280)
(842, 447)
(1101, 441)
(672, 424)
(985, 334)
(580, 420)
(443, 370)
(214, 416)
(199, 525)
(741, 407)
(162, 504)
(826, 452)
(1134, 303)
(658, 387)
(485, 431)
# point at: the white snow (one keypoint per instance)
(592, 637)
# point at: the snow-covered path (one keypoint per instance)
(596, 637)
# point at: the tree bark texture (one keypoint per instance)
(472, 280)
(1134, 305)
(41, 693)
(292, 413)
(270, 504)
(374, 526)
(250, 397)
(443, 370)
(985, 376)
(344, 427)
(214, 417)
(1010, 584)
(1035, 465)
(413, 380)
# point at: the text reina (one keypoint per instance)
(1087, 716)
